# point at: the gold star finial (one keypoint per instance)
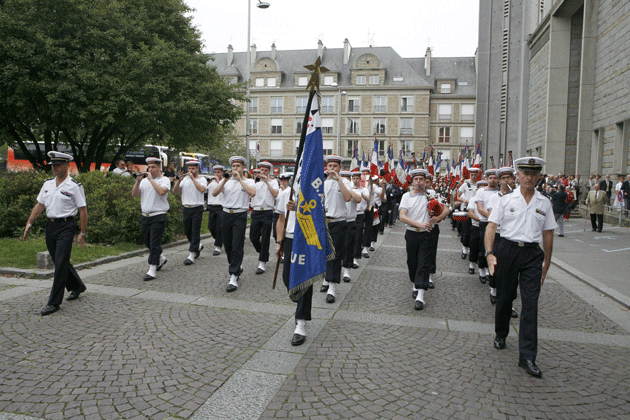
(317, 69)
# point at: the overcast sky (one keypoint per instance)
(449, 27)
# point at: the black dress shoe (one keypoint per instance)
(366, 255)
(371, 248)
(75, 293)
(419, 305)
(493, 299)
(259, 270)
(530, 367)
(514, 314)
(49, 309)
(159, 267)
(599, 230)
(464, 255)
(414, 294)
(347, 279)
(198, 252)
(216, 252)
(148, 277)
(471, 271)
(562, 236)
(482, 279)
(431, 285)
(499, 343)
(330, 298)
(594, 230)
(324, 288)
(355, 266)
(298, 340)
(188, 262)
(230, 288)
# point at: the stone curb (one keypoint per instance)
(595, 284)
(47, 274)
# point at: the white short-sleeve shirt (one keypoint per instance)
(467, 190)
(212, 200)
(336, 207)
(63, 200)
(150, 200)
(482, 196)
(264, 200)
(416, 206)
(362, 206)
(283, 199)
(492, 204)
(191, 196)
(472, 205)
(521, 222)
(376, 190)
(235, 197)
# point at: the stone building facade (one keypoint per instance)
(368, 93)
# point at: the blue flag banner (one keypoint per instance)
(311, 245)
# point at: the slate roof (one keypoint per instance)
(460, 68)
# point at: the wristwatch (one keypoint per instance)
(488, 253)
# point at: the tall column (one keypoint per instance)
(557, 97)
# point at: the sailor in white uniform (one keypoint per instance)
(215, 208)
(263, 204)
(192, 187)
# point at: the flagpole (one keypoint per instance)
(297, 162)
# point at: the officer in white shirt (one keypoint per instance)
(215, 209)
(337, 193)
(62, 197)
(526, 218)
(192, 186)
(481, 201)
(237, 189)
(414, 212)
(351, 218)
(467, 191)
(152, 187)
(263, 204)
(475, 238)
(360, 220)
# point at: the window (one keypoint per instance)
(353, 126)
(253, 145)
(444, 135)
(276, 126)
(398, 79)
(328, 104)
(381, 148)
(328, 80)
(379, 125)
(276, 104)
(297, 146)
(406, 126)
(260, 82)
(445, 88)
(380, 104)
(253, 126)
(300, 104)
(406, 146)
(360, 80)
(271, 81)
(466, 136)
(275, 148)
(406, 104)
(354, 104)
(302, 81)
(327, 125)
(468, 112)
(374, 80)
(328, 147)
(351, 144)
(298, 125)
(253, 104)
(444, 112)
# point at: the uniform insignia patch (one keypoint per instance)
(539, 211)
(66, 193)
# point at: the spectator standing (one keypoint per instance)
(120, 167)
(128, 169)
(625, 188)
(596, 200)
(559, 206)
(619, 189)
(606, 185)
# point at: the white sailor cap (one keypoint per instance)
(529, 163)
(482, 182)
(365, 169)
(418, 171)
(333, 158)
(153, 160)
(192, 162)
(345, 173)
(505, 170)
(218, 167)
(474, 169)
(355, 173)
(267, 164)
(58, 157)
(256, 171)
(491, 171)
(284, 176)
(238, 159)
(374, 177)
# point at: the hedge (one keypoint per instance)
(113, 214)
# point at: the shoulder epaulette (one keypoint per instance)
(502, 194)
(76, 182)
(49, 179)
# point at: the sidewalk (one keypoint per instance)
(181, 347)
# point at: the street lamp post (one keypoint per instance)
(248, 61)
(341, 92)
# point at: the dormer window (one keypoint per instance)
(445, 88)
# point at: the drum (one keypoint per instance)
(461, 216)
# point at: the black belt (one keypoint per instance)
(60, 219)
(521, 244)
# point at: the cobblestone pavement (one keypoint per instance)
(181, 347)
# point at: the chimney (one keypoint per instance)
(273, 51)
(427, 61)
(230, 56)
(320, 49)
(252, 57)
(346, 51)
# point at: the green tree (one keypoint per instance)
(107, 76)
